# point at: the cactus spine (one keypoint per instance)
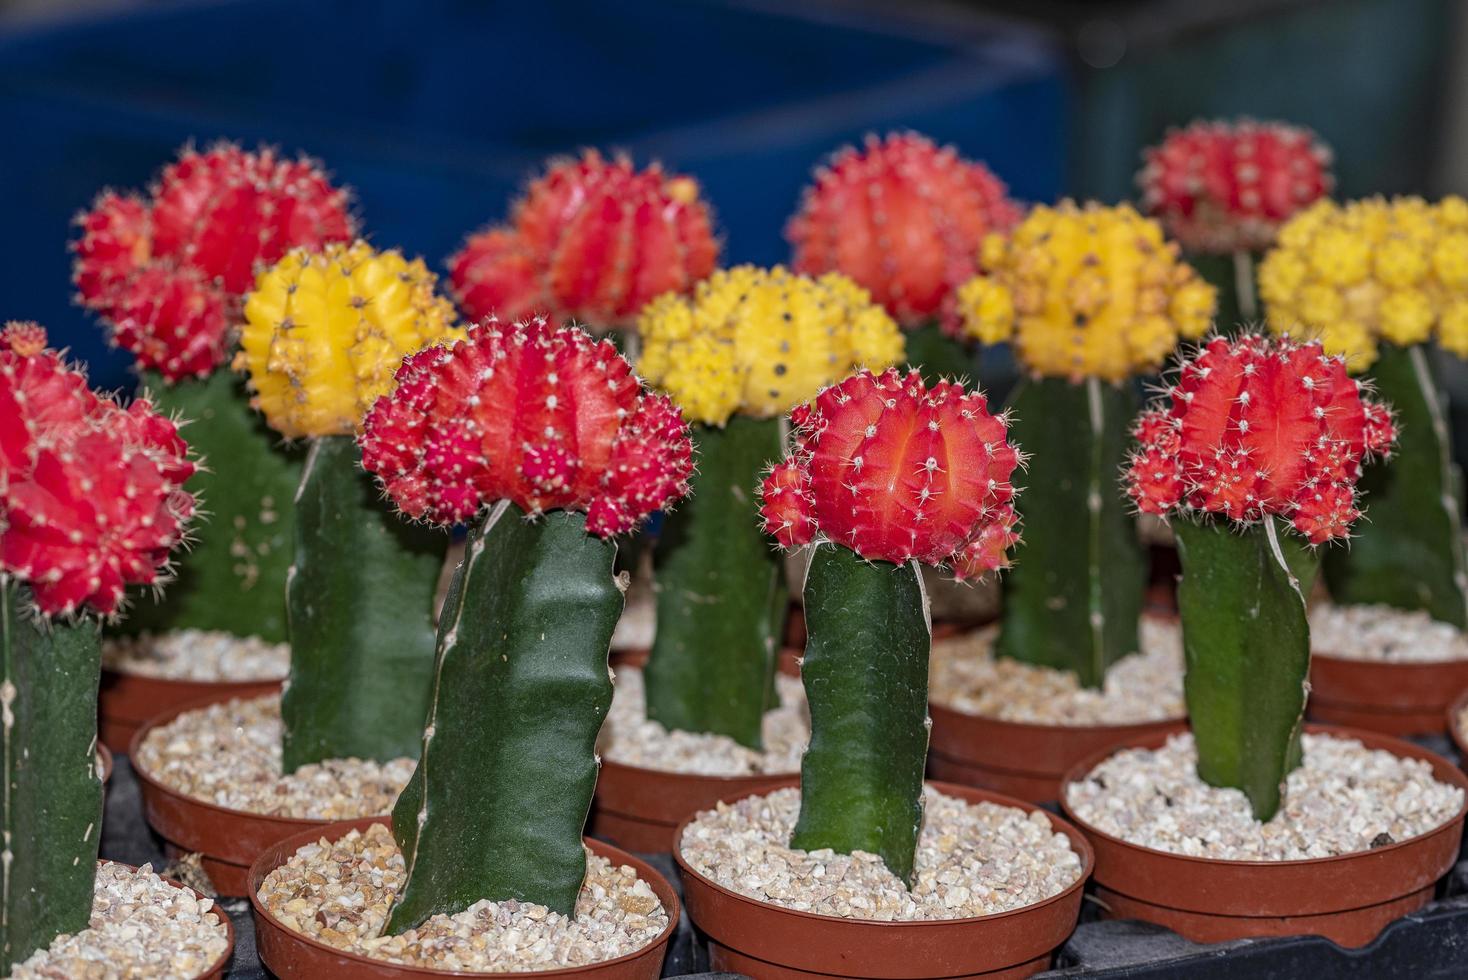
(1410, 553)
(1062, 609)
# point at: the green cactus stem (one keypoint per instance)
(721, 594)
(1073, 599)
(1246, 643)
(866, 678)
(53, 788)
(1408, 553)
(938, 354)
(233, 578)
(497, 804)
(360, 596)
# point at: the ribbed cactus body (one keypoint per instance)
(496, 806)
(233, 578)
(866, 678)
(721, 593)
(51, 812)
(1073, 598)
(1409, 554)
(360, 597)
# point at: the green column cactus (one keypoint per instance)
(938, 354)
(233, 577)
(1409, 554)
(1074, 597)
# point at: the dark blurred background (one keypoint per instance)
(435, 111)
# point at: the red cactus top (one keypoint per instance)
(170, 272)
(895, 471)
(905, 219)
(1259, 426)
(592, 240)
(91, 494)
(545, 417)
(1223, 187)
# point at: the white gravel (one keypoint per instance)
(1343, 799)
(229, 754)
(341, 893)
(1384, 633)
(197, 655)
(1142, 687)
(629, 738)
(972, 859)
(141, 927)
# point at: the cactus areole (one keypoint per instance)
(1255, 434)
(886, 474)
(1090, 297)
(547, 442)
(91, 501)
(749, 345)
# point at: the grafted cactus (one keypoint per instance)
(904, 219)
(168, 275)
(593, 240)
(546, 440)
(91, 502)
(1090, 297)
(1254, 432)
(886, 474)
(323, 333)
(747, 347)
(1376, 280)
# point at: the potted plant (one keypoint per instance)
(1089, 298)
(1223, 188)
(167, 273)
(91, 502)
(1242, 824)
(886, 474)
(1377, 281)
(690, 727)
(323, 333)
(546, 442)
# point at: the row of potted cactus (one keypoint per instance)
(544, 443)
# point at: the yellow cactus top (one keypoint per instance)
(1085, 292)
(1375, 269)
(324, 332)
(759, 342)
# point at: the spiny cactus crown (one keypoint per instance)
(543, 416)
(169, 272)
(1222, 187)
(1256, 427)
(904, 219)
(592, 240)
(1349, 274)
(759, 342)
(324, 332)
(896, 471)
(91, 494)
(1089, 291)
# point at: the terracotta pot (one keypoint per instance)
(104, 757)
(1015, 758)
(126, 701)
(290, 955)
(641, 808)
(221, 965)
(774, 943)
(1454, 710)
(226, 840)
(1394, 698)
(1348, 899)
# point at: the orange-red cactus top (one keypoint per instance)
(593, 240)
(543, 416)
(896, 471)
(1255, 427)
(905, 219)
(91, 494)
